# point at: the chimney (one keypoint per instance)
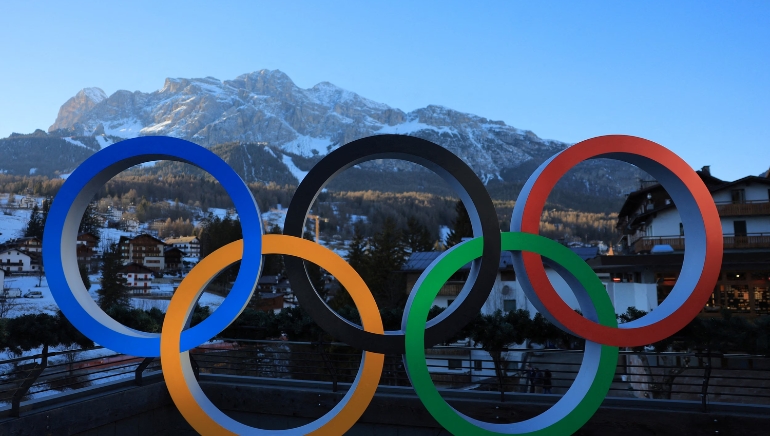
(706, 170)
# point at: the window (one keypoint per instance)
(739, 228)
(681, 229)
(738, 196)
(509, 305)
(478, 365)
(454, 364)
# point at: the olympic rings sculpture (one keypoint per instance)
(598, 325)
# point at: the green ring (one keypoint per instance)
(588, 390)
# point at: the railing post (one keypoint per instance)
(28, 382)
(140, 369)
(196, 369)
(705, 385)
(329, 366)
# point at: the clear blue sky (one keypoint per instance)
(693, 76)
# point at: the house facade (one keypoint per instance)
(191, 245)
(14, 260)
(138, 277)
(86, 251)
(649, 219)
(507, 294)
(144, 250)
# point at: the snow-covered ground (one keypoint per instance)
(12, 226)
(274, 217)
(295, 171)
(113, 235)
(47, 304)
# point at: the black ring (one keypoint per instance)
(464, 182)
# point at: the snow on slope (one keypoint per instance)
(296, 172)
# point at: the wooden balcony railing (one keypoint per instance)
(750, 240)
(747, 208)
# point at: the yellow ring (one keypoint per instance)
(197, 409)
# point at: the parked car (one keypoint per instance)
(33, 294)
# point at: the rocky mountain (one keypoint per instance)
(294, 127)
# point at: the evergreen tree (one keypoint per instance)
(417, 237)
(358, 258)
(84, 276)
(113, 291)
(44, 211)
(387, 255)
(35, 224)
(461, 226)
(89, 223)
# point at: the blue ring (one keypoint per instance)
(60, 236)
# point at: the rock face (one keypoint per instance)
(77, 107)
(266, 106)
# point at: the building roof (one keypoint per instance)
(133, 268)
(182, 240)
(168, 250)
(87, 235)
(636, 198)
(143, 236)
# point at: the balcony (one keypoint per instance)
(747, 208)
(731, 242)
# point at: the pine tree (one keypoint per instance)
(89, 223)
(113, 291)
(358, 258)
(84, 276)
(387, 257)
(461, 227)
(417, 237)
(35, 224)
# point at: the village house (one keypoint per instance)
(173, 259)
(14, 260)
(27, 203)
(144, 250)
(138, 278)
(86, 251)
(507, 294)
(653, 243)
(191, 245)
(31, 244)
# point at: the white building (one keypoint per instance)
(138, 277)
(507, 294)
(651, 225)
(650, 218)
(16, 261)
(191, 245)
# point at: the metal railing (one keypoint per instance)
(675, 376)
(731, 241)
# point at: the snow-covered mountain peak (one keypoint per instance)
(267, 106)
(94, 94)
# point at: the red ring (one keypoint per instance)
(530, 223)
